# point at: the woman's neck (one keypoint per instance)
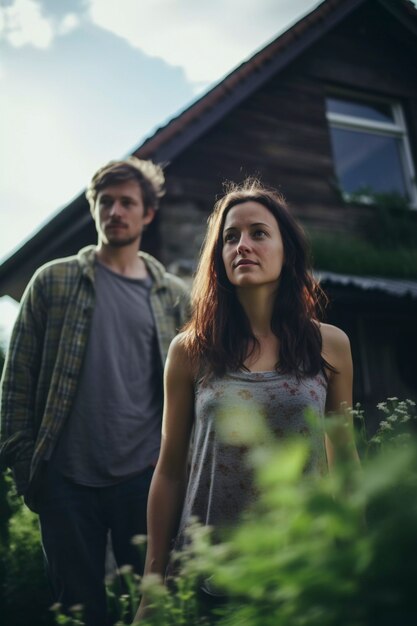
(258, 304)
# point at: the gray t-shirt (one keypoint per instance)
(113, 430)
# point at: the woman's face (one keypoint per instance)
(253, 251)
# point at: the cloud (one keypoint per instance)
(206, 40)
(24, 23)
(93, 97)
(68, 23)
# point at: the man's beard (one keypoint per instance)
(121, 243)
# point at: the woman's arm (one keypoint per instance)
(169, 482)
(340, 445)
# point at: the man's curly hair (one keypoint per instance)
(148, 175)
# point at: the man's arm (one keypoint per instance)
(18, 386)
(181, 295)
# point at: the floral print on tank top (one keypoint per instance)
(230, 411)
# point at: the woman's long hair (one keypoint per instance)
(219, 336)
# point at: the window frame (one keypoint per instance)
(396, 129)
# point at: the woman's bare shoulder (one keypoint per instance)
(178, 344)
(336, 344)
(334, 336)
(179, 355)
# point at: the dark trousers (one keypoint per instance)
(75, 521)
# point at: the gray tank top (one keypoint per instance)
(220, 483)
(113, 430)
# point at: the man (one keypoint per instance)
(82, 387)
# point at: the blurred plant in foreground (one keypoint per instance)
(322, 551)
(333, 550)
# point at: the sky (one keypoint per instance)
(86, 81)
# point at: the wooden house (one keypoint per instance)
(327, 113)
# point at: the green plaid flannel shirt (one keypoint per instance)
(46, 350)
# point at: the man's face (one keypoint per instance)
(120, 214)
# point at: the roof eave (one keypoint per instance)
(169, 141)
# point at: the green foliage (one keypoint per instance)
(386, 244)
(391, 200)
(179, 605)
(320, 551)
(350, 254)
(392, 224)
(123, 594)
(24, 593)
(399, 424)
(24, 590)
(308, 558)
(334, 550)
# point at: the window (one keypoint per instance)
(370, 148)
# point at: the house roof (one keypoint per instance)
(168, 141)
(181, 131)
(388, 286)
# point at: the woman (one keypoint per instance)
(253, 338)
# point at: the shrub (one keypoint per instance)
(351, 254)
(321, 551)
(24, 593)
(336, 550)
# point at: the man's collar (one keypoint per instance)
(87, 258)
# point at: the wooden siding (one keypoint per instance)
(281, 133)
